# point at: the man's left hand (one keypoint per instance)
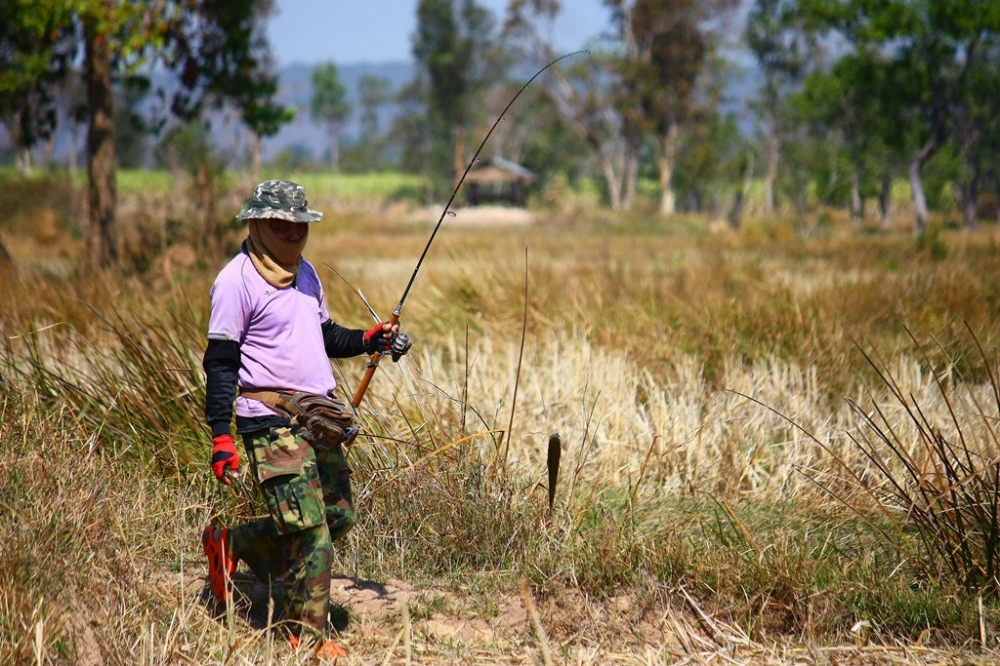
(386, 338)
(379, 338)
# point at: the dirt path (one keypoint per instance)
(393, 622)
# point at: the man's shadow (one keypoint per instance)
(259, 603)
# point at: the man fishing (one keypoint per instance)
(270, 339)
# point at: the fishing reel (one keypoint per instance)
(401, 343)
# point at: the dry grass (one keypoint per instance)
(699, 383)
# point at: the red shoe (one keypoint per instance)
(221, 563)
(330, 650)
(325, 650)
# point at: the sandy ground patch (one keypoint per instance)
(475, 216)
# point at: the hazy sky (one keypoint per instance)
(355, 31)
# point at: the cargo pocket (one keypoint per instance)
(287, 469)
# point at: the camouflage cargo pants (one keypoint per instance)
(307, 488)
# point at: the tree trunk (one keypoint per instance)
(967, 194)
(458, 156)
(335, 146)
(619, 158)
(736, 212)
(771, 174)
(857, 202)
(256, 157)
(176, 173)
(334, 128)
(917, 161)
(71, 156)
(970, 214)
(50, 150)
(666, 161)
(612, 181)
(921, 216)
(631, 180)
(101, 167)
(23, 160)
(885, 200)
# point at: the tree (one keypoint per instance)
(929, 49)
(546, 137)
(459, 58)
(778, 45)
(131, 127)
(855, 99)
(374, 93)
(189, 147)
(711, 163)
(215, 46)
(640, 81)
(537, 138)
(588, 95)
(409, 129)
(329, 105)
(977, 134)
(667, 43)
(33, 53)
(71, 103)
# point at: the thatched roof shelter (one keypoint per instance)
(496, 180)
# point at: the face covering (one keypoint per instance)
(276, 259)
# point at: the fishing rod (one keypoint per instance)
(359, 394)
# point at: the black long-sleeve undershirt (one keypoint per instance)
(222, 366)
(342, 342)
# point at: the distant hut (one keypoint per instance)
(496, 180)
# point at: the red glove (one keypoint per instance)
(379, 338)
(224, 458)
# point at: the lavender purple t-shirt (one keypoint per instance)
(278, 330)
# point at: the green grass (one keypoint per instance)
(132, 181)
(387, 185)
(351, 186)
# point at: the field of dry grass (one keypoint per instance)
(775, 448)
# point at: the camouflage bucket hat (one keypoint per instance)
(279, 200)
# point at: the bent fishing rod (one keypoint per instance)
(373, 362)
